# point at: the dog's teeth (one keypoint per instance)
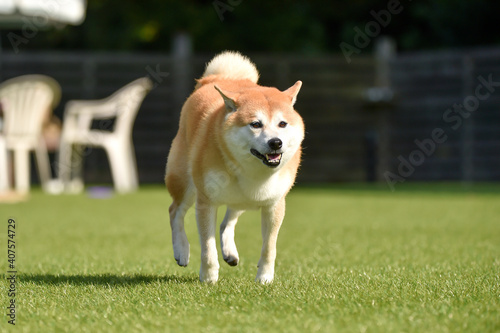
(273, 157)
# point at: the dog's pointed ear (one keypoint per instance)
(293, 91)
(228, 101)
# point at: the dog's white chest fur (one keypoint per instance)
(244, 192)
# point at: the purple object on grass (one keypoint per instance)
(100, 192)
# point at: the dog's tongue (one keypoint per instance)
(273, 157)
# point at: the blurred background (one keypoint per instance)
(380, 78)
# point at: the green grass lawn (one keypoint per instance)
(351, 258)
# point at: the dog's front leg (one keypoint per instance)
(206, 217)
(228, 246)
(272, 217)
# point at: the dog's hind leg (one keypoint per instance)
(183, 192)
(272, 217)
(228, 246)
(177, 212)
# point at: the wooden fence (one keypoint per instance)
(348, 137)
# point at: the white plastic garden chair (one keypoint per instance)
(77, 134)
(26, 102)
(4, 166)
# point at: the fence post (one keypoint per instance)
(183, 80)
(385, 51)
(467, 133)
(1, 59)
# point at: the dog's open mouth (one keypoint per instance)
(271, 160)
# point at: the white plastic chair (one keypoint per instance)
(77, 134)
(4, 166)
(26, 101)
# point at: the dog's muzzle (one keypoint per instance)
(272, 160)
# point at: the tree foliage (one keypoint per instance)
(312, 27)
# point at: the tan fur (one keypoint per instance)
(203, 168)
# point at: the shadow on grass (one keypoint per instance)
(104, 279)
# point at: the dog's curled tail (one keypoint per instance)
(232, 65)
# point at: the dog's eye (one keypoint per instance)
(256, 124)
(282, 124)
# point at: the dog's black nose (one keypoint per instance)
(275, 143)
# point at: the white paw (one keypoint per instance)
(228, 247)
(232, 260)
(181, 250)
(230, 253)
(265, 276)
(209, 275)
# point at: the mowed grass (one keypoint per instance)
(351, 258)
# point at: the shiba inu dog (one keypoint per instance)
(238, 144)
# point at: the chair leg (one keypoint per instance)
(77, 161)
(70, 157)
(132, 164)
(4, 167)
(70, 160)
(43, 164)
(64, 162)
(122, 168)
(22, 170)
